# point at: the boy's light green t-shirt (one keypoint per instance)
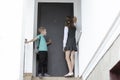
(42, 43)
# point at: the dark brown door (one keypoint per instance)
(52, 16)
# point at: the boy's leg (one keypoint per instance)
(41, 60)
(45, 63)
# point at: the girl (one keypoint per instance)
(69, 44)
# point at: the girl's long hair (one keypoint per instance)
(69, 22)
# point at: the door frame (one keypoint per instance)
(75, 4)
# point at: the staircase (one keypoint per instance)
(54, 78)
(28, 76)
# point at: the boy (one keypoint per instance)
(42, 51)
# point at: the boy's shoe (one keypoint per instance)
(46, 75)
(40, 75)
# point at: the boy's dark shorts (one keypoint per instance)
(41, 52)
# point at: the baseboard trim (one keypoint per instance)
(27, 76)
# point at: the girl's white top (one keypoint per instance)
(65, 36)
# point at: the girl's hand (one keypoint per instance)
(63, 49)
(75, 19)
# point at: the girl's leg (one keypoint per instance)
(69, 63)
(72, 57)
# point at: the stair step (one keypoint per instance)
(55, 78)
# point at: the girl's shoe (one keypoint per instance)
(69, 75)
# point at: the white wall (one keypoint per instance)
(29, 26)
(110, 59)
(77, 13)
(11, 42)
(97, 18)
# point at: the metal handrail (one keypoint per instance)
(24, 56)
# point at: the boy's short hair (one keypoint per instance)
(42, 29)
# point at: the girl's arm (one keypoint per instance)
(34, 39)
(75, 20)
(65, 36)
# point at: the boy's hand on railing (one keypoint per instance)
(26, 41)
